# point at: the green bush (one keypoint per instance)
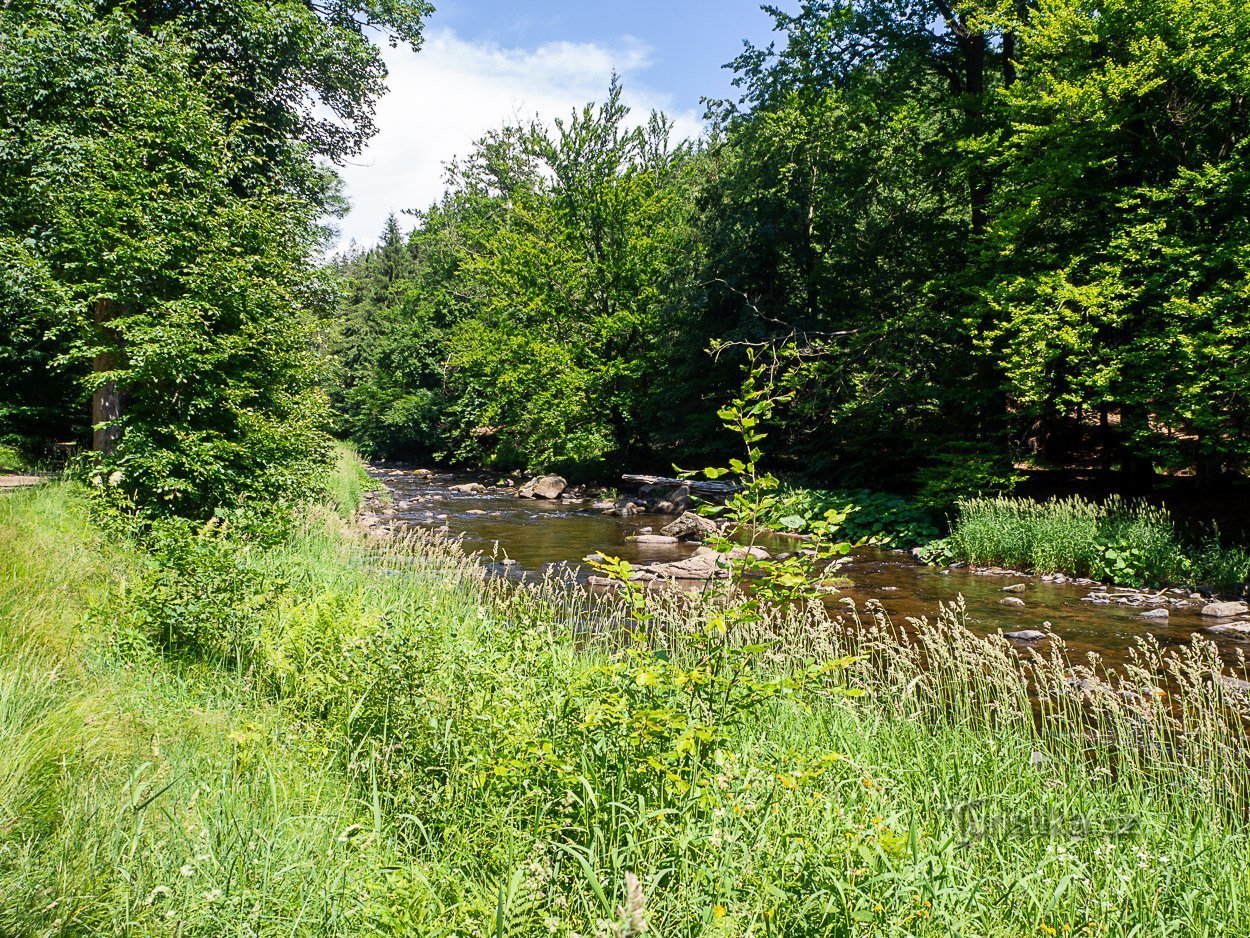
(1220, 567)
(885, 519)
(965, 470)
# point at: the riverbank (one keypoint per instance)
(345, 734)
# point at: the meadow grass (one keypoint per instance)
(391, 743)
(1130, 543)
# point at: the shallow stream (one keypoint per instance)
(536, 534)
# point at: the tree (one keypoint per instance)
(1121, 246)
(839, 222)
(165, 178)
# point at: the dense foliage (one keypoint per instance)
(971, 234)
(535, 317)
(161, 192)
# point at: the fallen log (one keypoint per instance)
(698, 486)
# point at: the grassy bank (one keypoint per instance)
(336, 735)
(1128, 543)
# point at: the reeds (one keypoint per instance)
(1131, 543)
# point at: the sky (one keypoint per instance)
(487, 62)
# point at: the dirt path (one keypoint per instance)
(10, 481)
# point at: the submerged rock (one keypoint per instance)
(1154, 614)
(1015, 588)
(1011, 601)
(469, 488)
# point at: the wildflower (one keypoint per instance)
(878, 908)
(1046, 930)
(187, 870)
(157, 893)
(115, 478)
(718, 911)
(632, 920)
(212, 895)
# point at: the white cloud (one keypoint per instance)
(451, 92)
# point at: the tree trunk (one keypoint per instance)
(106, 402)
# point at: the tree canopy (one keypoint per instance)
(161, 201)
(970, 233)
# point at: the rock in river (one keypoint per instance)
(1225, 610)
(692, 568)
(543, 487)
(1025, 635)
(651, 539)
(1012, 601)
(1233, 629)
(469, 488)
(1154, 614)
(690, 525)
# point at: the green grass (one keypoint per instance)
(139, 796)
(1125, 542)
(361, 737)
(12, 459)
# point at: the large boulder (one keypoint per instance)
(543, 487)
(690, 527)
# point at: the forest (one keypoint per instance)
(967, 241)
(931, 353)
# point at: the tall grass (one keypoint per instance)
(1132, 543)
(393, 744)
(139, 796)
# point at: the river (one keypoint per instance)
(538, 534)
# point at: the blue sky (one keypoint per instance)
(486, 61)
(689, 40)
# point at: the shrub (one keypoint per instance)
(855, 514)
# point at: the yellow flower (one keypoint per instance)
(718, 911)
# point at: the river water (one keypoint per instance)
(538, 534)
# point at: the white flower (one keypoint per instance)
(115, 478)
(212, 895)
